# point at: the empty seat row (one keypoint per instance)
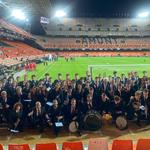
(94, 144)
(95, 43)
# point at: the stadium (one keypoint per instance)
(74, 75)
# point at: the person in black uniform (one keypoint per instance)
(135, 103)
(18, 97)
(89, 104)
(5, 107)
(55, 93)
(103, 105)
(146, 103)
(117, 107)
(78, 93)
(1, 86)
(54, 115)
(33, 81)
(37, 117)
(26, 90)
(72, 113)
(119, 90)
(16, 117)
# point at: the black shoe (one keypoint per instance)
(56, 134)
(79, 134)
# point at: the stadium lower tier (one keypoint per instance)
(100, 53)
(99, 43)
(18, 49)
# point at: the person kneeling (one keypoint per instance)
(16, 119)
(54, 117)
(36, 117)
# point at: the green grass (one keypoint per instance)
(80, 65)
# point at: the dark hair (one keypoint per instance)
(117, 98)
(16, 105)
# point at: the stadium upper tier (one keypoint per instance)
(97, 43)
(100, 27)
(12, 29)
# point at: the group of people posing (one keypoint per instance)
(45, 103)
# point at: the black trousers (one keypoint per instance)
(19, 126)
(56, 129)
(37, 123)
(138, 116)
(148, 118)
(6, 115)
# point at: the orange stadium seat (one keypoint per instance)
(47, 146)
(1, 147)
(122, 145)
(72, 146)
(143, 144)
(98, 144)
(18, 147)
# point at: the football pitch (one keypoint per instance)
(101, 65)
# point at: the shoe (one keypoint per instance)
(79, 134)
(14, 131)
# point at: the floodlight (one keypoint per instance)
(143, 14)
(60, 13)
(27, 20)
(18, 14)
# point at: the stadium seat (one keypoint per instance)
(47, 146)
(72, 146)
(1, 147)
(143, 144)
(122, 145)
(18, 147)
(98, 144)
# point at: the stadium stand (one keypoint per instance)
(97, 27)
(16, 44)
(8, 26)
(19, 49)
(96, 43)
(125, 37)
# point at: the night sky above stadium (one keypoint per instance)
(103, 8)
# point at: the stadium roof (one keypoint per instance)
(81, 8)
(34, 7)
